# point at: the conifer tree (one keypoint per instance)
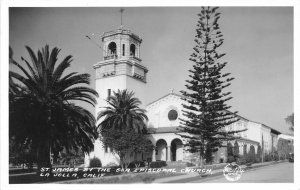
(205, 108)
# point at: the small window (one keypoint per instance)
(106, 149)
(123, 49)
(108, 93)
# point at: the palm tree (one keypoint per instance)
(123, 124)
(43, 112)
(123, 113)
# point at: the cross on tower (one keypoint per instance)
(121, 11)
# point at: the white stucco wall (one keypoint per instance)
(253, 131)
(158, 111)
(266, 132)
(99, 152)
(120, 82)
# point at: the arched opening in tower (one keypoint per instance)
(112, 48)
(132, 50)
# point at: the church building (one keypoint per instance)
(122, 68)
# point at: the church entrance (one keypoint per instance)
(161, 150)
(176, 150)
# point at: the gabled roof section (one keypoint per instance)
(274, 131)
(171, 93)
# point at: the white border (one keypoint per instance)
(5, 4)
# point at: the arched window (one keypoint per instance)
(112, 48)
(132, 50)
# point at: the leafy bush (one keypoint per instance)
(242, 160)
(257, 160)
(230, 159)
(267, 158)
(110, 164)
(276, 158)
(189, 164)
(95, 162)
(80, 160)
(136, 164)
(251, 156)
(236, 151)
(158, 164)
(229, 150)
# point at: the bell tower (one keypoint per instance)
(121, 67)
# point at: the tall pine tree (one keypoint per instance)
(206, 111)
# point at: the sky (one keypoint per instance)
(258, 42)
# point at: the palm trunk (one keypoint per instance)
(43, 157)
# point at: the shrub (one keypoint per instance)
(95, 162)
(110, 164)
(281, 157)
(251, 156)
(190, 164)
(229, 149)
(80, 160)
(267, 158)
(158, 164)
(236, 151)
(230, 159)
(276, 156)
(259, 151)
(257, 160)
(242, 160)
(136, 164)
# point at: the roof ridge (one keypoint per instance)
(170, 93)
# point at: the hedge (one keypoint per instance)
(158, 164)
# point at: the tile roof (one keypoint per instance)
(163, 130)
